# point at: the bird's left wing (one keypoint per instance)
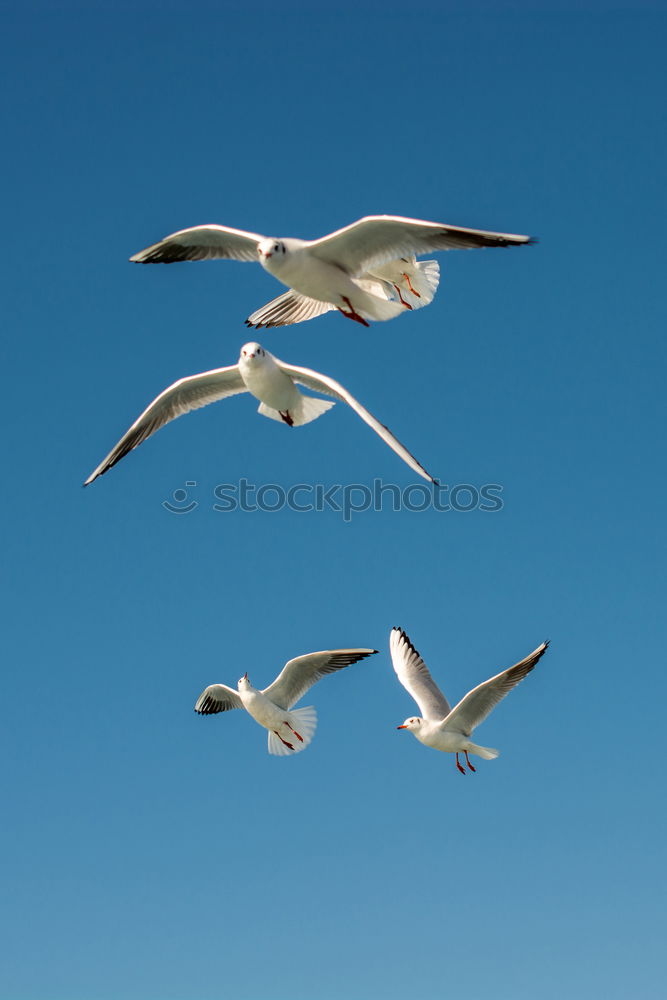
(299, 674)
(181, 397)
(415, 676)
(376, 239)
(478, 703)
(201, 243)
(291, 307)
(322, 383)
(217, 698)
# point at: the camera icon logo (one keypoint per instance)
(177, 504)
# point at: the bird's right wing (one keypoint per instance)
(299, 674)
(291, 307)
(376, 239)
(181, 397)
(217, 698)
(201, 243)
(478, 703)
(415, 676)
(322, 383)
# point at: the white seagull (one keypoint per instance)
(442, 727)
(367, 270)
(290, 729)
(266, 378)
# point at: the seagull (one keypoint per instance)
(272, 382)
(290, 729)
(367, 270)
(442, 727)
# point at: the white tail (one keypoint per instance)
(425, 280)
(309, 408)
(304, 722)
(486, 753)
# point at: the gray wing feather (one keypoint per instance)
(292, 307)
(415, 676)
(187, 394)
(217, 698)
(299, 674)
(322, 383)
(201, 243)
(376, 239)
(478, 703)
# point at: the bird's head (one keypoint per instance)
(252, 352)
(413, 723)
(270, 248)
(243, 683)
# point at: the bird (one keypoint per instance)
(367, 270)
(271, 381)
(290, 729)
(439, 726)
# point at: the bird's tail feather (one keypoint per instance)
(424, 280)
(486, 753)
(309, 408)
(304, 722)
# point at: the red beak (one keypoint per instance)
(401, 727)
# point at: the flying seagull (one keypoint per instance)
(367, 270)
(269, 380)
(290, 729)
(442, 727)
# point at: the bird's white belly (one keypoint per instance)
(270, 386)
(262, 709)
(445, 740)
(312, 277)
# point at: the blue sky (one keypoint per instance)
(151, 854)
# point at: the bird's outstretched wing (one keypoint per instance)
(292, 307)
(217, 698)
(201, 243)
(376, 239)
(415, 677)
(322, 383)
(478, 703)
(299, 674)
(181, 397)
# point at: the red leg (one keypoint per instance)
(407, 278)
(406, 304)
(352, 314)
(300, 738)
(461, 769)
(286, 417)
(283, 741)
(468, 760)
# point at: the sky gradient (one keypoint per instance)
(151, 854)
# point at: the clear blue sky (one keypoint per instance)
(150, 854)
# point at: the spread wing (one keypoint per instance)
(292, 307)
(415, 676)
(299, 674)
(376, 239)
(217, 698)
(181, 397)
(201, 243)
(478, 703)
(322, 383)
